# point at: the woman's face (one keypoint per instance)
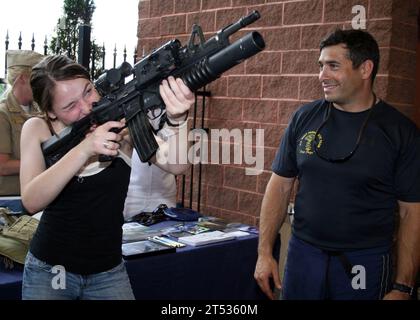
(73, 100)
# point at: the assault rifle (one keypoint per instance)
(198, 63)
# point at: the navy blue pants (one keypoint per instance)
(314, 274)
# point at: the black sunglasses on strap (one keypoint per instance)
(359, 136)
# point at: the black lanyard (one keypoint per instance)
(359, 136)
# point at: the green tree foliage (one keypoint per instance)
(2, 87)
(66, 41)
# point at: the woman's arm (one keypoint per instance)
(41, 185)
(178, 99)
(172, 155)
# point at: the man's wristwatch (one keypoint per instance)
(403, 288)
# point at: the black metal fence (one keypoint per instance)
(97, 58)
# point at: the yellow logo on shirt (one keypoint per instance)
(306, 143)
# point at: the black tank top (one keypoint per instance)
(82, 229)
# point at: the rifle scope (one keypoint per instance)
(113, 78)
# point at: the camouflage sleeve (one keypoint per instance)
(5, 134)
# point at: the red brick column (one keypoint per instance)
(263, 92)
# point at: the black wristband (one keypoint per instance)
(403, 288)
(178, 124)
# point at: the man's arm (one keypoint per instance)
(273, 214)
(408, 248)
(8, 167)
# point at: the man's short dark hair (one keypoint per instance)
(361, 45)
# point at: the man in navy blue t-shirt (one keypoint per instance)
(357, 160)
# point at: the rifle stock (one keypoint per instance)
(197, 64)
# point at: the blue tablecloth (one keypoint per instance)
(217, 271)
(13, 203)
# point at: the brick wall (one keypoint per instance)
(263, 92)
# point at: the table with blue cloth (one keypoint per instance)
(12, 203)
(222, 270)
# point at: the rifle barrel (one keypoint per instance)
(241, 23)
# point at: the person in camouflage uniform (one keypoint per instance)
(15, 108)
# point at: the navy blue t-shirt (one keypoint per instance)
(352, 204)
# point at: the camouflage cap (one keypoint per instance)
(22, 58)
